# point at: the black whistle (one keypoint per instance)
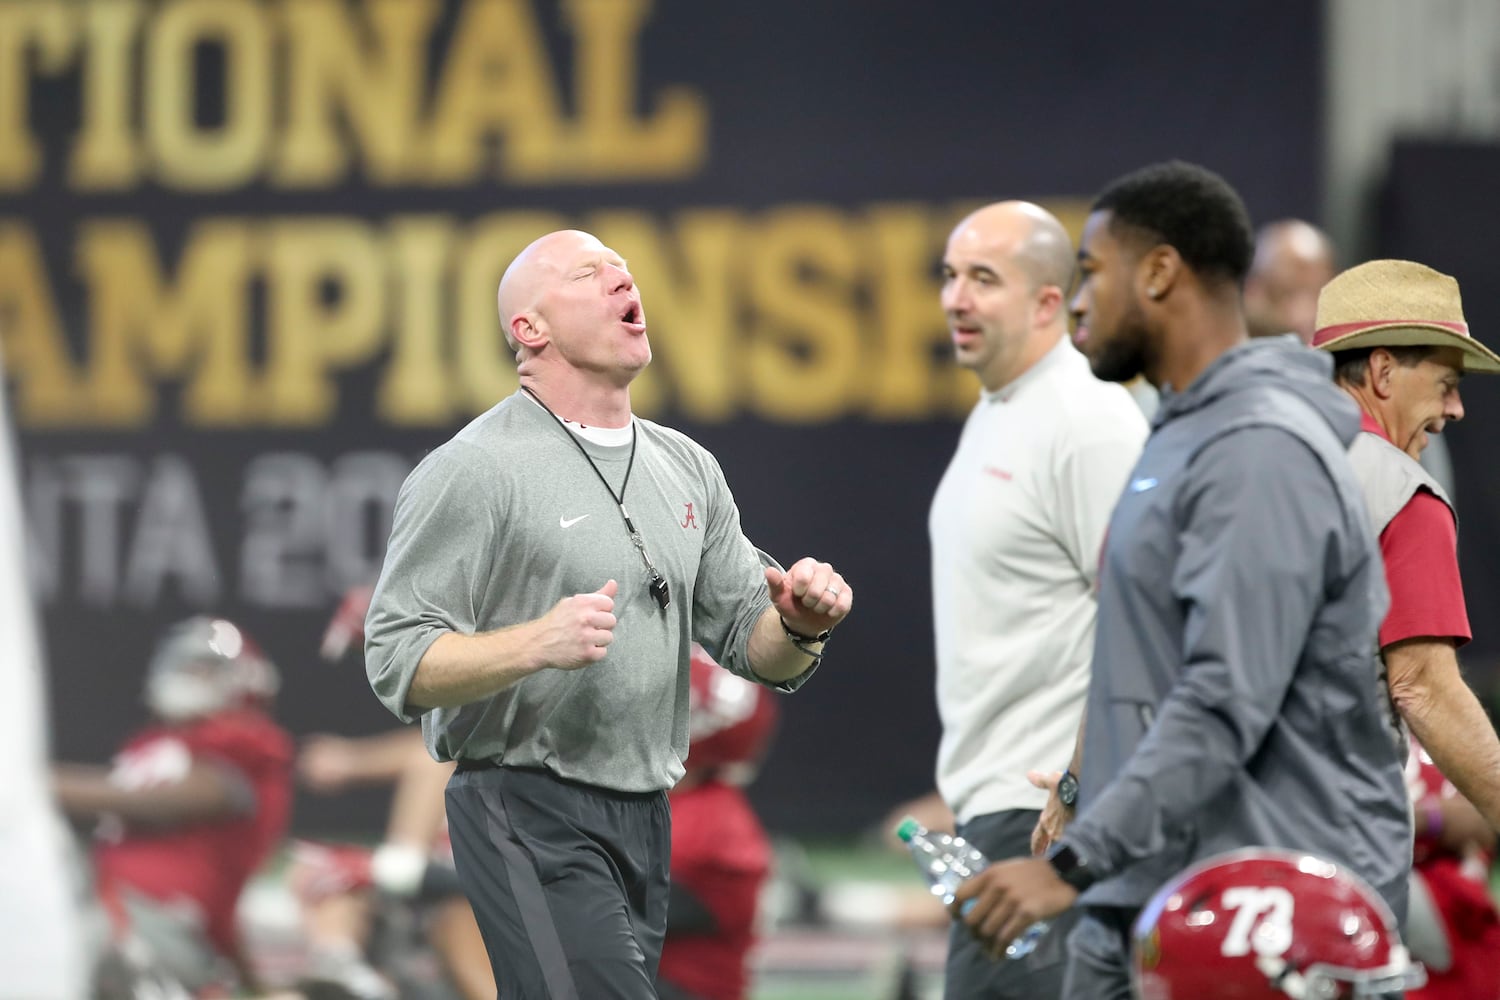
(661, 590)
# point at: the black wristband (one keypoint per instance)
(1070, 866)
(803, 641)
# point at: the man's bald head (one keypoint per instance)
(1005, 277)
(1290, 239)
(1293, 261)
(542, 262)
(1030, 235)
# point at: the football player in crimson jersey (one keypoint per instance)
(1452, 926)
(720, 855)
(192, 805)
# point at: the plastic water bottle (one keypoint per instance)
(946, 862)
(1027, 942)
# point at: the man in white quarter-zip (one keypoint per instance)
(1016, 528)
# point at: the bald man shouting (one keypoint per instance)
(1016, 529)
(548, 570)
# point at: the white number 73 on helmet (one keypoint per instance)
(1262, 920)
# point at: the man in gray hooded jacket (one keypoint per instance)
(1233, 700)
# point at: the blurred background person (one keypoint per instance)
(1452, 926)
(345, 890)
(721, 856)
(41, 941)
(191, 807)
(1293, 261)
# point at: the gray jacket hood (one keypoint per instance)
(1284, 362)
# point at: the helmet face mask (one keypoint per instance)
(1264, 924)
(185, 693)
(1331, 982)
(205, 665)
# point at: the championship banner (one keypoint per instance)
(249, 252)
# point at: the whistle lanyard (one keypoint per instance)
(659, 587)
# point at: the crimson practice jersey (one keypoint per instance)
(208, 863)
(720, 854)
(1459, 886)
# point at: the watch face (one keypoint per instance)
(1067, 789)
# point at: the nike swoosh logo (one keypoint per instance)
(1142, 485)
(564, 522)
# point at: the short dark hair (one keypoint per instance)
(1188, 207)
(1349, 367)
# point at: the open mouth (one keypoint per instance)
(633, 316)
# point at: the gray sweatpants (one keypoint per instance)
(568, 882)
(971, 974)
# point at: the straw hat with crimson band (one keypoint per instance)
(1397, 303)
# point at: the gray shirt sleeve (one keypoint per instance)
(730, 593)
(441, 549)
(1257, 525)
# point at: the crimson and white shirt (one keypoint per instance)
(1016, 527)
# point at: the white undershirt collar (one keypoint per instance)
(610, 437)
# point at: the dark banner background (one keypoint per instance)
(1436, 208)
(237, 447)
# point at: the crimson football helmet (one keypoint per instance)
(730, 720)
(204, 665)
(1263, 924)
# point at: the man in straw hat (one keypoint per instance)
(1400, 345)
(1231, 701)
(1293, 261)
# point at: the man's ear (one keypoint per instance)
(1380, 370)
(1160, 269)
(1050, 300)
(527, 330)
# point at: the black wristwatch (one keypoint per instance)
(1067, 789)
(1071, 867)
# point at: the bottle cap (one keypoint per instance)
(908, 829)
